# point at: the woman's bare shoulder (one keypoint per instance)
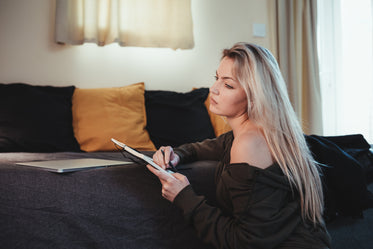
(251, 147)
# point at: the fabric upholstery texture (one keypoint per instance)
(176, 118)
(36, 118)
(345, 188)
(41, 209)
(116, 207)
(100, 114)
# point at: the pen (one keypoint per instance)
(169, 163)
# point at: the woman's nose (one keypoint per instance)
(214, 89)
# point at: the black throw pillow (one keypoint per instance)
(344, 185)
(356, 146)
(175, 118)
(36, 118)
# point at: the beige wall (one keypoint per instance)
(28, 53)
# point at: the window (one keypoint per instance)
(140, 23)
(345, 46)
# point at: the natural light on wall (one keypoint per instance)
(345, 43)
(139, 23)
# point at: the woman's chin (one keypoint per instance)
(213, 109)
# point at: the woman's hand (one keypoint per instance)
(171, 186)
(166, 157)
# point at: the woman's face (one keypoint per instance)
(227, 96)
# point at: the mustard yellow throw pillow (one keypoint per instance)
(103, 113)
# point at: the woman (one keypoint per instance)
(267, 183)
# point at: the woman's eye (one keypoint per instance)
(228, 86)
(216, 77)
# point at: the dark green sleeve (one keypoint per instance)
(212, 225)
(209, 149)
(255, 221)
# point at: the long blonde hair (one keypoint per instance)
(269, 107)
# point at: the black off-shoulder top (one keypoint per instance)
(257, 207)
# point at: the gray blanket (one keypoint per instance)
(114, 207)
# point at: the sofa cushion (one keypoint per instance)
(100, 114)
(343, 178)
(176, 118)
(36, 118)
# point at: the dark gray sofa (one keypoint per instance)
(121, 206)
(114, 207)
(353, 232)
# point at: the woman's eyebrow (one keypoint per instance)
(225, 77)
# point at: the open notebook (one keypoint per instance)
(69, 165)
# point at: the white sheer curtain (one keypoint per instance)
(141, 23)
(345, 45)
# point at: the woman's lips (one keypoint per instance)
(213, 101)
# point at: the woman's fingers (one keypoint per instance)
(180, 177)
(171, 185)
(158, 159)
(164, 156)
(171, 188)
(161, 175)
(167, 154)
